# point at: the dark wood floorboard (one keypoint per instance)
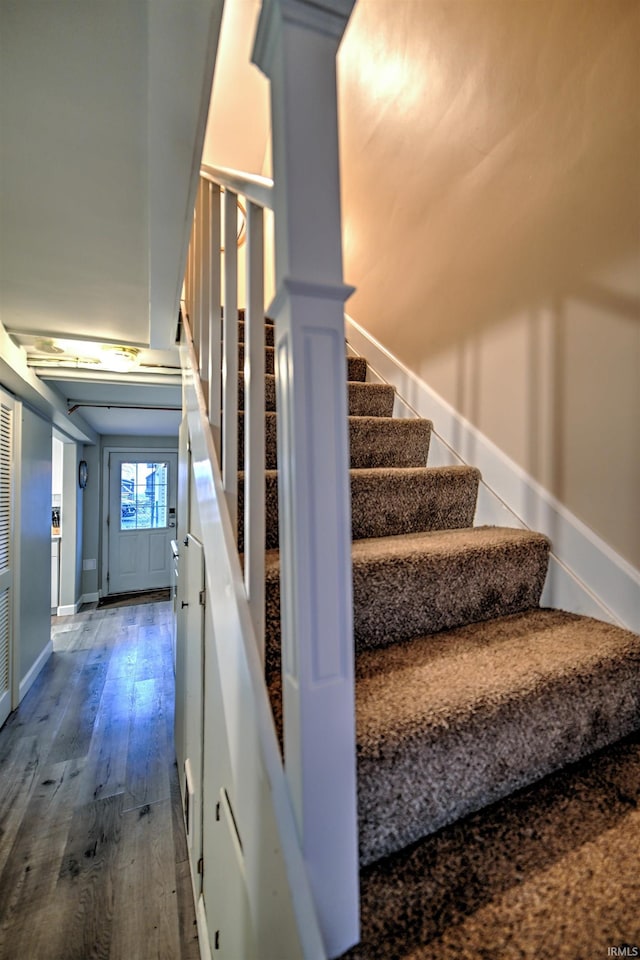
(93, 857)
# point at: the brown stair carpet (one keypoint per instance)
(425, 582)
(356, 366)
(269, 331)
(420, 583)
(364, 399)
(389, 501)
(373, 441)
(388, 442)
(548, 873)
(451, 722)
(466, 690)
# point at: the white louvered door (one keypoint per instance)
(6, 572)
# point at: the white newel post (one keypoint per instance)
(296, 46)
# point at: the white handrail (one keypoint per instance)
(258, 190)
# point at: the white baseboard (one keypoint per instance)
(585, 574)
(68, 609)
(28, 680)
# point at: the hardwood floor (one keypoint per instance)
(93, 858)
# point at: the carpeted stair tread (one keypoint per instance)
(371, 399)
(356, 369)
(449, 723)
(356, 366)
(420, 583)
(389, 442)
(393, 501)
(389, 501)
(425, 582)
(373, 441)
(270, 439)
(364, 399)
(548, 873)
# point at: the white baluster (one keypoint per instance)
(189, 274)
(230, 357)
(254, 486)
(215, 350)
(205, 312)
(196, 325)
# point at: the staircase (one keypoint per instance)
(466, 690)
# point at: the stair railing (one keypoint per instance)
(243, 769)
(216, 347)
(296, 47)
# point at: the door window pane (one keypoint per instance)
(143, 495)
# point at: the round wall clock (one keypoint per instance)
(83, 474)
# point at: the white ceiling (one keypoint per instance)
(102, 111)
(145, 410)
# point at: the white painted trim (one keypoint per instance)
(203, 929)
(585, 574)
(28, 680)
(69, 609)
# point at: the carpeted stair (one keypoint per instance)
(465, 689)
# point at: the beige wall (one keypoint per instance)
(491, 190)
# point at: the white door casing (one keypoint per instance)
(140, 498)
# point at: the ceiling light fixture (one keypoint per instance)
(120, 358)
(46, 345)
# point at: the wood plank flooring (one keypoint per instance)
(93, 858)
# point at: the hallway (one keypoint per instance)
(93, 859)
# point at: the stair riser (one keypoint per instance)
(356, 366)
(364, 399)
(373, 442)
(394, 601)
(398, 599)
(390, 503)
(387, 442)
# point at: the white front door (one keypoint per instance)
(141, 520)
